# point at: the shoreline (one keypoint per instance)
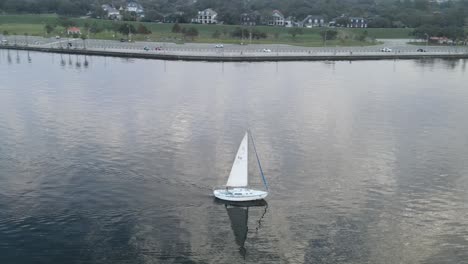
(241, 58)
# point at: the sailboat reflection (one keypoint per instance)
(238, 213)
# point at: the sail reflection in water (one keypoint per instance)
(238, 213)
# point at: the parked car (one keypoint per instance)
(158, 48)
(421, 50)
(386, 49)
(219, 46)
(123, 40)
(146, 48)
(4, 42)
(266, 50)
(57, 37)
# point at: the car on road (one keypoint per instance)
(123, 40)
(57, 37)
(219, 46)
(158, 48)
(421, 50)
(386, 49)
(266, 50)
(146, 48)
(4, 42)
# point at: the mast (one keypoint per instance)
(258, 161)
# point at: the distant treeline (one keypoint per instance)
(380, 13)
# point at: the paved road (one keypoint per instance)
(397, 46)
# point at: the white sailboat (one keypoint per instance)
(236, 188)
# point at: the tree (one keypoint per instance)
(176, 28)
(427, 31)
(95, 28)
(143, 30)
(151, 16)
(129, 16)
(65, 22)
(257, 34)
(295, 31)
(49, 28)
(342, 21)
(98, 12)
(126, 29)
(380, 22)
(328, 34)
(191, 33)
(454, 33)
(363, 36)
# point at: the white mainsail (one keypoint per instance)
(239, 172)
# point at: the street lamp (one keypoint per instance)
(427, 39)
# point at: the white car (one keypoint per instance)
(57, 37)
(219, 46)
(386, 50)
(266, 50)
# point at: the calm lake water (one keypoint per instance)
(109, 160)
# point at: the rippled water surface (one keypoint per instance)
(108, 160)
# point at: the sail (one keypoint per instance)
(239, 172)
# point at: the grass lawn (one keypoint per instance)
(34, 25)
(386, 33)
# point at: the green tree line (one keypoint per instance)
(383, 13)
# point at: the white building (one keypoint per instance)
(207, 16)
(276, 19)
(135, 7)
(290, 22)
(313, 21)
(112, 12)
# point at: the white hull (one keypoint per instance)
(239, 194)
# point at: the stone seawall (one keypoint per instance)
(245, 58)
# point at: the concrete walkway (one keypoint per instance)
(231, 52)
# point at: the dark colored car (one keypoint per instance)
(123, 40)
(421, 50)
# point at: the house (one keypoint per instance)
(275, 19)
(440, 40)
(73, 30)
(136, 8)
(311, 21)
(250, 19)
(356, 22)
(290, 22)
(112, 12)
(207, 16)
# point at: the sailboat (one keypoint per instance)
(237, 188)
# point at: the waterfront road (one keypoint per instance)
(398, 47)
